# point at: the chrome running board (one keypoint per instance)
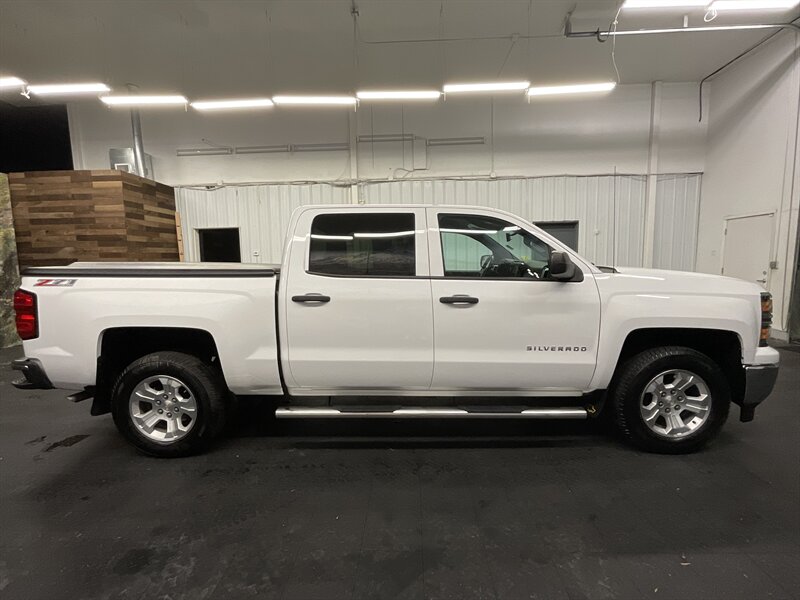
(310, 412)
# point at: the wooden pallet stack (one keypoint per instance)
(103, 215)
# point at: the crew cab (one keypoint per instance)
(399, 311)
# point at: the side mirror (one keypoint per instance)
(562, 268)
(486, 260)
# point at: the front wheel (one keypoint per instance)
(169, 404)
(671, 400)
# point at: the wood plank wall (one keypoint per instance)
(102, 215)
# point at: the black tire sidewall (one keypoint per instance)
(641, 369)
(200, 381)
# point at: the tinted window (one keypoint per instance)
(477, 246)
(359, 244)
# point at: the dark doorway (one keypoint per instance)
(34, 138)
(565, 232)
(220, 245)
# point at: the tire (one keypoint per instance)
(649, 382)
(148, 396)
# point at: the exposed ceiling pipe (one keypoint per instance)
(603, 35)
(733, 60)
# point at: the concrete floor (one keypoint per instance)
(378, 510)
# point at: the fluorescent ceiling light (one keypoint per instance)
(68, 88)
(752, 4)
(400, 95)
(688, 29)
(315, 100)
(143, 100)
(224, 104)
(391, 234)
(319, 236)
(582, 88)
(501, 86)
(663, 3)
(11, 82)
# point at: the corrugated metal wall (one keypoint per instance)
(261, 212)
(592, 201)
(677, 216)
(609, 210)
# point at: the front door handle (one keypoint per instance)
(458, 299)
(311, 298)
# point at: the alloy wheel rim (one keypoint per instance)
(675, 404)
(163, 409)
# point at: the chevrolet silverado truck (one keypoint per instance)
(399, 311)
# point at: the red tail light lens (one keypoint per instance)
(25, 309)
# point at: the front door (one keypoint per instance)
(500, 323)
(358, 302)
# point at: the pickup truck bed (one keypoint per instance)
(234, 303)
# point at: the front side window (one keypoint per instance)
(363, 245)
(478, 246)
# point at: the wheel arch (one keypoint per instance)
(117, 347)
(724, 347)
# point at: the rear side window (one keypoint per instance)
(363, 244)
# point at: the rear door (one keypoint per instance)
(357, 302)
(500, 323)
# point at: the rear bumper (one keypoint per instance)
(34, 377)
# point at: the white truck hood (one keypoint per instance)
(632, 279)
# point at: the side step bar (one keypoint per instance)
(303, 412)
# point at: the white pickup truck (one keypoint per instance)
(399, 311)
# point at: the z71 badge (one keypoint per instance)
(55, 282)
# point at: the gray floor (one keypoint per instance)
(376, 510)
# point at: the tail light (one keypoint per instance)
(27, 318)
(766, 318)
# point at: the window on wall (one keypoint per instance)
(565, 232)
(220, 245)
(363, 244)
(478, 246)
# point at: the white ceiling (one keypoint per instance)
(222, 49)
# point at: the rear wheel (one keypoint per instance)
(670, 400)
(169, 404)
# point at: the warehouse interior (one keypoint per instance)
(641, 133)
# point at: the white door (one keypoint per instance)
(748, 247)
(499, 323)
(358, 302)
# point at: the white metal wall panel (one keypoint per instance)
(677, 215)
(592, 201)
(610, 211)
(260, 212)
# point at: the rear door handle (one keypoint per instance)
(458, 299)
(311, 298)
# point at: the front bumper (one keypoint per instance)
(34, 377)
(759, 382)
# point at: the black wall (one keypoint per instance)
(34, 138)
